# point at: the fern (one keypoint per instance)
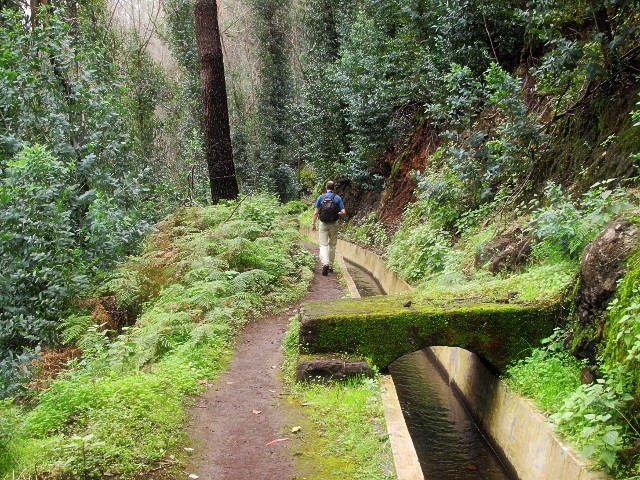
(252, 281)
(74, 327)
(206, 295)
(208, 333)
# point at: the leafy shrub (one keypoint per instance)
(593, 417)
(368, 232)
(295, 207)
(458, 103)
(417, 251)
(475, 164)
(41, 264)
(598, 54)
(564, 227)
(442, 194)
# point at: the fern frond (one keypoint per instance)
(74, 326)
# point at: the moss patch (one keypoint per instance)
(383, 328)
(620, 342)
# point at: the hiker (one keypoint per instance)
(328, 208)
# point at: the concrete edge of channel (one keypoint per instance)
(404, 453)
(351, 285)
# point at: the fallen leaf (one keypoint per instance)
(277, 440)
(201, 382)
(257, 412)
(296, 429)
(187, 449)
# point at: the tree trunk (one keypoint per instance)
(34, 7)
(222, 174)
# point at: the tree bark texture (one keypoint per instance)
(222, 174)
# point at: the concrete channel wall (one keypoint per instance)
(520, 434)
(523, 435)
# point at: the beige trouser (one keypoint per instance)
(328, 238)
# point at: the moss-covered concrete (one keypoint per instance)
(383, 328)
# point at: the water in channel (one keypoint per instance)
(447, 441)
(366, 283)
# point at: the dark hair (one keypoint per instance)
(329, 185)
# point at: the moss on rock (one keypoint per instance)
(622, 331)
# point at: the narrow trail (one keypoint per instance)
(229, 437)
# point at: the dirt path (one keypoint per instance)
(230, 438)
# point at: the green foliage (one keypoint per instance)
(121, 408)
(548, 376)
(9, 429)
(368, 232)
(593, 417)
(48, 250)
(39, 256)
(459, 102)
(623, 330)
(564, 227)
(418, 249)
(80, 130)
(368, 68)
(291, 347)
(586, 42)
(476, 164)
(599, 418)
(350, 441)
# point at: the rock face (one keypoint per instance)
(505, 252)
(603, 263)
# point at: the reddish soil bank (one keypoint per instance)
(231, 439)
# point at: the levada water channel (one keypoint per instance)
(448, 443)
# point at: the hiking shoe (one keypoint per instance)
(325, 270)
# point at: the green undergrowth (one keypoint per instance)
(118, 411)
(541, 284)
(348, 438)
(547, 377)
(602, 418)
